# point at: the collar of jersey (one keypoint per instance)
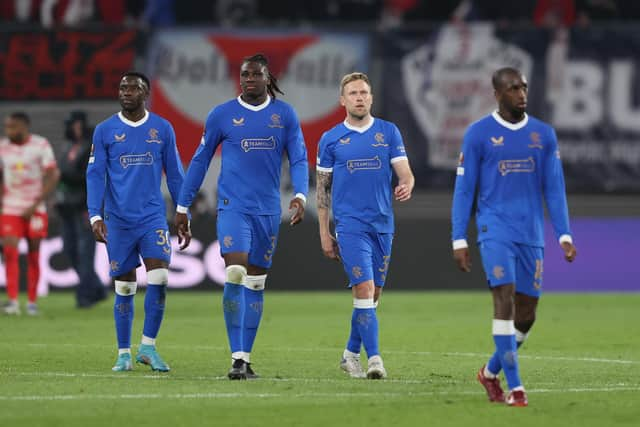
(140, 122)
(255, 107)
(360, 129)
(513, 126)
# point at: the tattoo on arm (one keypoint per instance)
(323, 189)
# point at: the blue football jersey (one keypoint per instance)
(253, 140)
(360, 161)
(126, 165)
(513, 167)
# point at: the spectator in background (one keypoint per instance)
(158, 13)
(79, 244)
(554, 13)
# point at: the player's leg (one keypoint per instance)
(36, 231)
(155, 249)
(234, 235)
(499, 261)
(123, 261)
(356, 251)
(264, 231)
(10, 240)
(90, 289)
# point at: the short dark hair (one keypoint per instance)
(272, 87)
(22, 116)
(496, 78)
(138, 74)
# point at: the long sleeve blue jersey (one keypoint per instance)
(513, 167)
(125, 168)
(253, 139)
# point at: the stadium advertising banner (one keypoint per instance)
(421, 260)
(192, 71)
(64, 65)
(585, 83)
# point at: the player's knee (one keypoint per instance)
(236, 274)
(255, 282)
(126, 288)
(158, 276)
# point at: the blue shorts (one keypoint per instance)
(365, 256)
(256, 235)
(508, 262)
(126, 244)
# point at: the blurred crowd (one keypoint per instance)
(387, 14)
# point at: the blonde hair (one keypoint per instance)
(352, 77)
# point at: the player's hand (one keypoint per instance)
(330, 247)
(28, 213)
(402, 193)
(297, 205)
(99, 229)
(463, 259)
(570, 251)
(184, 230)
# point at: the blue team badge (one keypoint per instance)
(136, 159)
(275, 121)
(363, 164)
(379, 140)
(258, 144)
(535, 140)
(153, 136)
(509, 166)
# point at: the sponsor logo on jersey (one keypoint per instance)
(238, 122)
(136, 159)
(498, 272)
(379, 137)
(275, 121)
(120, 138)
(153, 136)
(345, 141)
(509, 166)
(258, 144)
(497, 142)
(363, 164)
(535, 140)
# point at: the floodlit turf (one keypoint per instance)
(581, 365)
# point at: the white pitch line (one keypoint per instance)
(186, 396)
(336, 349)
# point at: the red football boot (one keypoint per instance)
(492, 386)
(517, 398)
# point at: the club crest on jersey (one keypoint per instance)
(275, 121)
(153, 136)
(120, 138)
(258, 144)
(136, 159)
(535, 140)
(238, 122)
(363, 164)
(356, 271)
(345, 141)
(379, 137)
(524, 165)
(497, 142)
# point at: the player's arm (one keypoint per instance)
(463, 194)
(401, 167)
(298, 168)
(556, 198)
(50, 178)
(175, 178)
(324, 182)
(195, 175)
(96, 184)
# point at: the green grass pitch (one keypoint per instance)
(581, 365)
